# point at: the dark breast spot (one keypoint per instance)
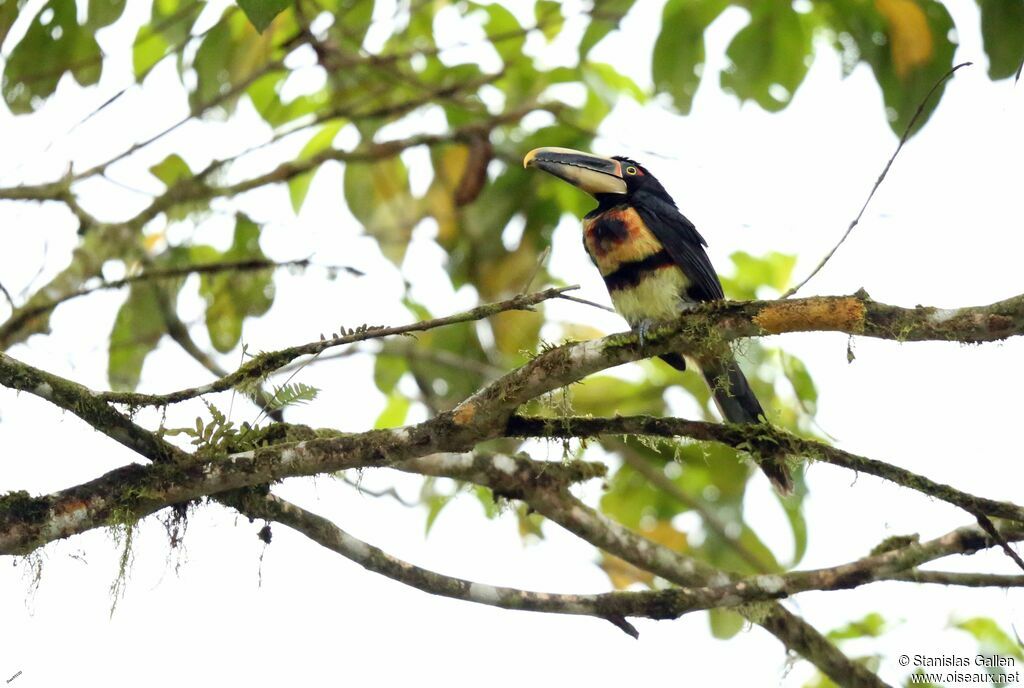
(610, 230)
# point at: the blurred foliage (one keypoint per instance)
(990, 637)
(992, 640)
(493, 221)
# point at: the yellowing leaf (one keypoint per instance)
(910, 39)
(516, 331)
(152, 241)
(622, 574)
(664, 533)
(581, 333)
(378, 195)
(450, 164)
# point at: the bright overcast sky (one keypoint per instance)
(944, 230)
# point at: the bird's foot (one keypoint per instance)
(642, 329)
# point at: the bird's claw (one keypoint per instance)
(643, 328)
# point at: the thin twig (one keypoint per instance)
(20, 318)
(990, 528)
(7, 295)
(536, 269)
(389, 492)
(878, 182)
(967, 580)
(585, 302)
(269, 362)
(197, 111)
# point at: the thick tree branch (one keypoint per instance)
(27, 522)
(762, 441)
(87, 405)
(797, 635)
(615, 606)
(135, 491)
(609, 606)
(711, 326)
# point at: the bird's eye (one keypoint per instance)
(630, 170)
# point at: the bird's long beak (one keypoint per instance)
(592, 173)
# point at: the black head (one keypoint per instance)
(639, 179)
(609, 180)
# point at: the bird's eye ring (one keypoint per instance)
(630, 170)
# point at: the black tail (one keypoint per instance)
(737, 403)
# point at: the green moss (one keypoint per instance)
(895, 542)
(756, 612)
(20, 506)
(123, 535)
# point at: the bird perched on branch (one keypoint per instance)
(653, 262)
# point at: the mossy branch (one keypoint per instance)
(762, 441)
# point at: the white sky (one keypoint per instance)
(945, 230)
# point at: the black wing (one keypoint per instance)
(683, 243)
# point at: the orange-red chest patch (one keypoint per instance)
(618, 236)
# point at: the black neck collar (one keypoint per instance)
(607, 202)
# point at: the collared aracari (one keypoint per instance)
(653, 262)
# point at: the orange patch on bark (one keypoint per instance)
(464, 414)
(816, 314)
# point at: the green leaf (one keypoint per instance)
(871, 625)
(262, 12)
(232, 296)
(608, 83)
(606, 16)
(604, 395)
(721, 554)
(1002, 25)
(504, 32)
(138, 327)
(230, 53)
(725, 623)
(548, 14)
(450, 384)
(991, 638)
(298, 186)
(435, 501)
(770, 56)
(104, 12)
(794, 509)
(357, 17)
(171, 169)
(678, 60)
(378, 195)
(798, 376)
(908, 45)
(394, 413)
(54, 44)
(753, 272)
(387, 371)
(169, 26)
(8, 13)
(486, 498)
(265, 98)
